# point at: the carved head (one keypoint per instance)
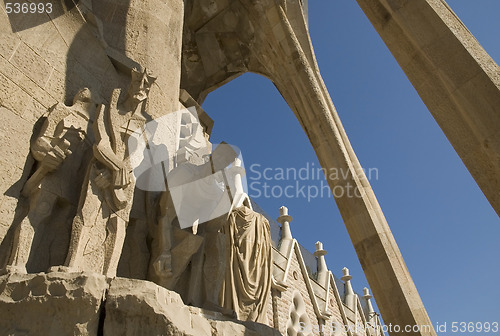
(140, 85)
(84, 95)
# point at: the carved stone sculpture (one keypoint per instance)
(62, 152)
(100, 224)
(194, 196)
(212, 248)
(231, 272)
(247, 281)
(221, 260)
(170, 239)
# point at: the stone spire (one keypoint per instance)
(322, 268)
(286, 235)
(349, 296)
(370, 312)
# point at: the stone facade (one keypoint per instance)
(108, 172)
(92, 68)
(326, 307)
(62, 303)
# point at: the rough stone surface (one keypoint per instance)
(47, 59)
(51, 304)
(135, 307)
(60, 303)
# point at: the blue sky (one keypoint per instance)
(444, 226)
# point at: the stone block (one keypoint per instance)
(18, 89)
(31, 64)
(61, 303)
(135, 307)
(8, 44)
(51, 304)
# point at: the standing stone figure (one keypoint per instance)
(62, 152)
(106, 199)
(214, 250)
(247, 282)
(193, 196)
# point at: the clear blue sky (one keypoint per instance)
(444, 226)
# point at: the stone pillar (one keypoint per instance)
(299, 81)
(150, 34)
(286, 235)
(455, 77)
(322, 268)
(349, 296)
(370, 312)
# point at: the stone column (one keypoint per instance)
(322, 268)
(150, 34)
(349, 296)
(370, 312)
(299, 81)
(240, 171)
(455, 77)
(286, 235)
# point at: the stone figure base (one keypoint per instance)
(62, 303)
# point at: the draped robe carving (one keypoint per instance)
(247, 282)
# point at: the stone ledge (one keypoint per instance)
(51, 304)
(60, 303)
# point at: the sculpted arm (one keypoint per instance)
(49, 149)
(104, 153)
(41, 146)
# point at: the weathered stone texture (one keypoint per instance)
(300, 285)
(47, 59)
(335, 310)
(60, 303)
(51, 304)
(135, 307)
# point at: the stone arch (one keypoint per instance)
(226, 39)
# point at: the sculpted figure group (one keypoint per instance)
(205, 241)
(81, 188)
(62, 152)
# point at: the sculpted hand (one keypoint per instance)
(55, 157)
(163, 265)
(121, 177)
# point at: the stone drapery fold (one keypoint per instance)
(247, 283)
